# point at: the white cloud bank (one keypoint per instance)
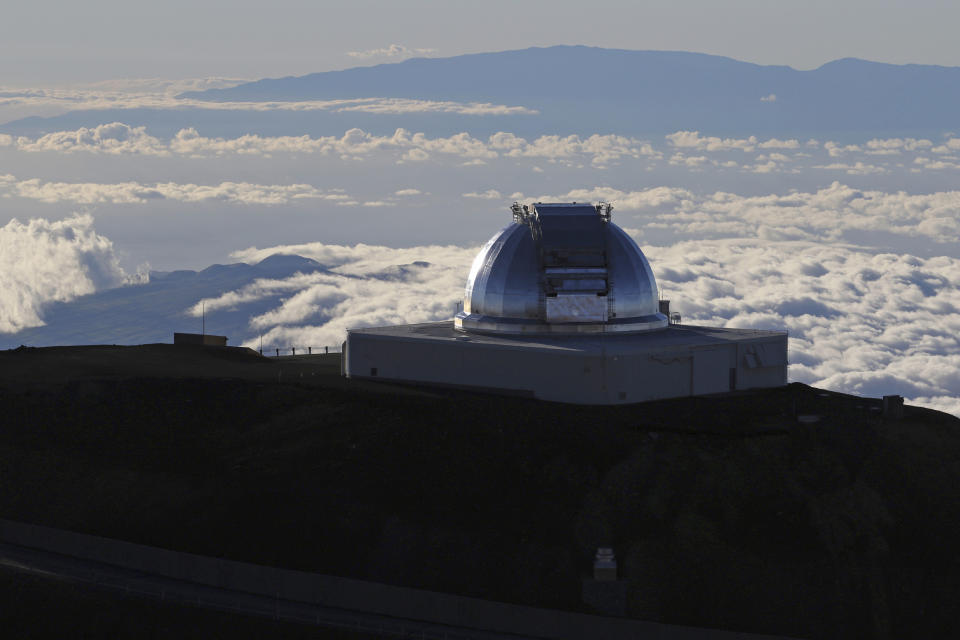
(114, 138)
(833, 214)
(99, 99)
(120, 138)
(138, 193)
(683, 149)
(693, 140)
(43, 262)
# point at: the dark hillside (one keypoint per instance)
(28, 599)
(724, 512)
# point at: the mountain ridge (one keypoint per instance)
(650, 91)
(575, 90)
(216, 94)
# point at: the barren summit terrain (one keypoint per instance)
(724, 512)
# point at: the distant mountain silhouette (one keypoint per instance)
(582, 90)
(562, 72)
(151, 312)
(650, 91)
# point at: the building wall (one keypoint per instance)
(569, 375)
(762, 364)
(711, 369)
(637, 378)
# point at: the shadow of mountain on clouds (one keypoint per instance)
(153, 311)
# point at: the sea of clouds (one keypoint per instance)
(859, 321)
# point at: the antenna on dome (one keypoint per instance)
(604, 209)
(520, 212)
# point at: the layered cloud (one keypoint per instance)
(99, 99)
(687, 150)
(138, 193)
(119, 138)
(773, 155)
(43, 262)
(406, 105)
(835, 213)
(113, 138)
(693, 140)
(391, 51)
(827, 214)
(489, 194)
(602, 149)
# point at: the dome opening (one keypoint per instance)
(560, 268)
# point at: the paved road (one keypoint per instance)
(145, 585)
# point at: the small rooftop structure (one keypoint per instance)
(201, 339)
(562, 305)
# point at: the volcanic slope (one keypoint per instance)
(724, 511)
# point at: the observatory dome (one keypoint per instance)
(560, 269)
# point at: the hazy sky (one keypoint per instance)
(56, 41)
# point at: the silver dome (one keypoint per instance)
(560, 268)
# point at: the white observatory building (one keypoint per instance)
(562, 305)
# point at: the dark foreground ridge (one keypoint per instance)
(725, 512)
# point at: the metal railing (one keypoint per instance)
(276, 352)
